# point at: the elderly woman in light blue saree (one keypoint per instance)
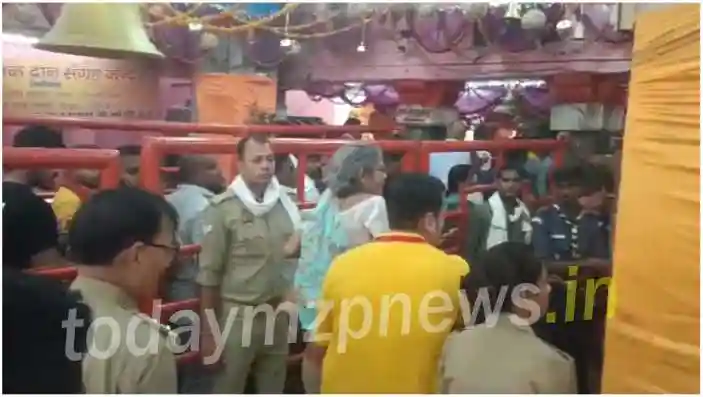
(350, 212)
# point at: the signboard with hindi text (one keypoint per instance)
(42, 83)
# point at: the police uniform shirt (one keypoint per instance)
(128, 352)
(29, 223)
(505, 358)
(243, 254)
(557, 237)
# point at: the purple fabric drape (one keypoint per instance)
(478, 100)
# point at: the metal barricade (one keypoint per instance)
(174, 129)
(155, 148)
(460, 216)
(37, 158)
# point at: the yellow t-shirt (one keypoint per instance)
(65, 205)
(386, 309)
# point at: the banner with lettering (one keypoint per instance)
(233, 99)
(44, 83)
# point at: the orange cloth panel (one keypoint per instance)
(232, 99)
(652, 342)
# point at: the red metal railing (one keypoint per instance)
(415, 158)
(558, 147)
(460, 216)
(106, 160)
(155, 148)
(170, 128)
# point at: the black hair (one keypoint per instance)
(457, 175)
(35, 342)
(188, 167)
(409, 196)
(281, 159)
(113, 220)
(596, 177)
(484, 132)
(130, 150)
(38, 136)
(510, 167)
(352, 121)
(436, 132)
(242, 143)
(571, 175)
(503, 267)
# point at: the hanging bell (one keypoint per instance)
(513, 11)
(100, 30)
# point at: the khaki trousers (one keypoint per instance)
(257, 344)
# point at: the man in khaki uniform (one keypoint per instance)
(493, 359)
(112, 368)
(246, 269)
(123, 241)
(502, 355)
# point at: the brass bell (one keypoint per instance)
(100, 30)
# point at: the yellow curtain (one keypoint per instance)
(652, 342)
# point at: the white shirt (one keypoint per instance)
(310, 192)
(365, 220)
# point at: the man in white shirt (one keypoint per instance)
(286, 166)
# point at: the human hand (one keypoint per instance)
(449, 234)
(292, 246)
(208, 350)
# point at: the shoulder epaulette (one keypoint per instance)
(222, 197)
(163, 329)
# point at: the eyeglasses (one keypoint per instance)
(173, 249)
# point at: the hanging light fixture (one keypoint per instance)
(195, 26)
(362, 45)
(285, 41)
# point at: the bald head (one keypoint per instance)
(202, 171)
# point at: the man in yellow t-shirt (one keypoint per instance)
(387, 306)
(66, 202)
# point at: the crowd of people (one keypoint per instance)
(360, 276)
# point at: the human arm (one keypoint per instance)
(375, 216)
(33, 238)
(541, 240)
(477, 232)
(212, 262)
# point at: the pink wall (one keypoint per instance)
(298, 103)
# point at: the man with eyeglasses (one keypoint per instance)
(123, 241)
(504, 217)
